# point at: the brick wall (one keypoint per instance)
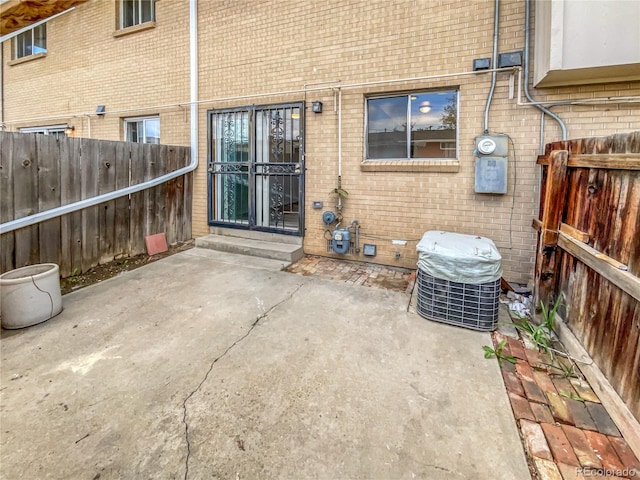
(249, 47)
(86, 66)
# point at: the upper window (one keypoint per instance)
(135, 12)
(142, 130)
(31, 42)
(58, 131)
(412, 126)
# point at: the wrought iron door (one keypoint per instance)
(256, 168)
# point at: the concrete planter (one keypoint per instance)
(30, 295)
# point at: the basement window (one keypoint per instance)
(142, 129)
(31, 42)
(412, 126)
(57, 131)
(136, 12)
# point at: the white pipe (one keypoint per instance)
(90, 202)
(88, 126)
(9, 36)
(260, 95)
(193, 67)
(622, 99)
(496, 17)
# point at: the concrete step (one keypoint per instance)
(255, 235)
(285, 252)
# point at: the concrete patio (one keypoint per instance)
(213, 365)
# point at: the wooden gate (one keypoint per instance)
(589, 250)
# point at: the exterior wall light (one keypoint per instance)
(316, 107)
(101, 110)
(69, 129)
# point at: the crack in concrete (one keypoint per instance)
(215, 360)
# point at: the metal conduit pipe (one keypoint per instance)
(494, 74)
(527, 27)
(90, 202)
(264, 94)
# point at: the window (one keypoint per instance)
(31, 42)
(412, 126)
(142, 130)
(135, 12)
(57, 131)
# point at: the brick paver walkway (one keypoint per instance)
(357, 273)
(565, 429)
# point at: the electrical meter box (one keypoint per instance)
(492, 157)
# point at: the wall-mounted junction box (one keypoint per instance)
(492, 153)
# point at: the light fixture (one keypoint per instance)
(101, 110)
(316, 107)
(69, 129)
(425, 107)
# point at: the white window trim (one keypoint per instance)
(32, 32)
(128, 120)
(45, 129)
(367, 160)
(122, 26)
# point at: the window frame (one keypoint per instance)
(138, 3)
(408, 159)
(130, 120)
(32, 33)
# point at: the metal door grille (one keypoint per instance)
(256, 168)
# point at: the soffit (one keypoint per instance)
(16, 14)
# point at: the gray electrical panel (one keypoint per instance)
(492, 153)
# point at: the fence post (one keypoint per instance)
(548, 256)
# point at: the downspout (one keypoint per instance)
(494, 61)
(90, 202)
(527, 26)
(193, 74)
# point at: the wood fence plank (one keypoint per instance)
(7, 241)
(106, 165)
(608, 161)
(602, 264)
(160, 192)
(137, 205)
(173, 197)
(90, 216)
(49, 197)
(547, 259)
(575, 233)
(150, 172)
(70, 191)
(123, 158)
(25, 174)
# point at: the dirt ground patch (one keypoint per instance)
(111, 269)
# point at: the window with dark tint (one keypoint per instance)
(412, 126)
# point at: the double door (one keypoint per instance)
(256, 168)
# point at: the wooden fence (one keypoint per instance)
(589, 250)
(39, 172)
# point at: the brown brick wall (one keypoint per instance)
(249, 47)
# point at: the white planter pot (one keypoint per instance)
(30, 295)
